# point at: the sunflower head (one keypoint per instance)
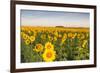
(38, 48)
(70, 35)
(49, 55)
(55, 38)
(32, 38)
(49, 46)
(64, 36)
(56, 33)
(43, 36)
(27, 42)
(79, 35)
(60, 36)
(24, 36)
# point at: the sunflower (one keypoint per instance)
(34, 33)
(56, 33)
(49, 55)
(62, 41)
(43, 36)
(29, 32)
(64, 36)
(78, 35)
(84, 43)
(55, 38)
(50, 38)
(27, 42)
(38, 48)
(24, 36)
(32, 38)
(70, 35)
(49, 46)
(82, 36)
(60, 36)
(87, 35)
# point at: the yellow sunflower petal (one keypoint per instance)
(49, 55)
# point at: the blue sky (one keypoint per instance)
(54, 18)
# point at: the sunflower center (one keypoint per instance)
(49, 55)
(38, 47)
(49, 46)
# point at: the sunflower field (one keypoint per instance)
(48, 44)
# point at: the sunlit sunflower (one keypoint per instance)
(29, 32)
(60, 36)
(27, 42)
(56, 33)
(62, 41)
(50, 38)
(70, 35)
(49, 46)
(38, 48)
(82, 36)
(43, 36)
(24, 36)
(49, 55)
(87, 35)
(32, 38)
(64, 36)
(34, 33)
(84, 43)
(78, 35)
(55, 38)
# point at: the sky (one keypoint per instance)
(54, 18)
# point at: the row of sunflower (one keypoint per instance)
(46, 45)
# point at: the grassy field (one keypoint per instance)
(47, 44)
